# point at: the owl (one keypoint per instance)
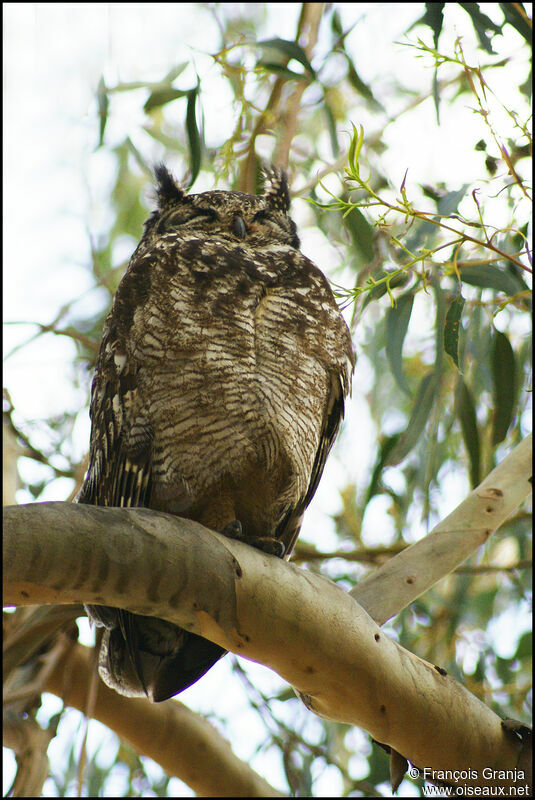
(217, 395)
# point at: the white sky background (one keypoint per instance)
(56, 188)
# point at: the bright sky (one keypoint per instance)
(56, 187)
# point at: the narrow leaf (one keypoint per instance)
(289, 50)
(434, 18)
(421, 409)
(481, 24)
(160, 97)
(139, 158)
(504, 386)
(170, 142)
(331, 126)
(378, 291)
(359, 85)
(175, 71)
(452, 327)
(194, 137)
(361, 233)
(103, 104)
(492, 277)
(282, 71)
(515, 15)
(387, 445)
(397, 322)
(466, 411)
(449, 203)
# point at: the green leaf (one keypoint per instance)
(139, 158)
(175, 71)
(378, 291)
(434, 19)
(361, 233)
(481, 24)
(397, 322)
(515, 15)
(452, 327)
(288, 50)
(525, 646)
(331, 126)
(194, 136)
(160, 97)
(421, 409)
(504, 385)
(170, 142)
(466, 411)
(282, 71)
(103, 104)
(492, 277)
(449, 203)
(359, 85)
(387, 445)
(423, 232)
(336, 23)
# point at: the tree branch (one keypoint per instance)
(307, 30)
(401, 580)
(302, 625)
(182, 742)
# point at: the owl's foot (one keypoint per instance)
(268, 544)
(234, 530)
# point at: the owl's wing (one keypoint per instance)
(288, 530)
(120, 457)
(139, 655)
(117, 476)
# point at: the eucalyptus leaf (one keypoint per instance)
(388, 443)
(482, 24)
(378, 291)
(362, 234)
(466, 412)
(103, 104)
(282, 71)
(515, 15)
(331, 127)
(194, 136)
(504, 385)
(288, 50)
(434, 19)
(421, 409)
(452, 327)
(491, 276)
(359, 85)
(397, 323)
(160, 97)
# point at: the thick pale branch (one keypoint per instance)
(310, 631)
(309, 23)
(412, 572)
(182, 742)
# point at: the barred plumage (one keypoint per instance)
(217, 396)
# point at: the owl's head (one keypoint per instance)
(258, 220)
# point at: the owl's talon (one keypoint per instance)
(233, 530)
(268, 544)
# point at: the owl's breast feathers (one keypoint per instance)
(222, 374)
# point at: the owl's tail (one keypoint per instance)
(145, 656)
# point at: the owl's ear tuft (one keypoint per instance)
(276, 189)
(168, 190)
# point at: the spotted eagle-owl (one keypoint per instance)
(217, 396)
